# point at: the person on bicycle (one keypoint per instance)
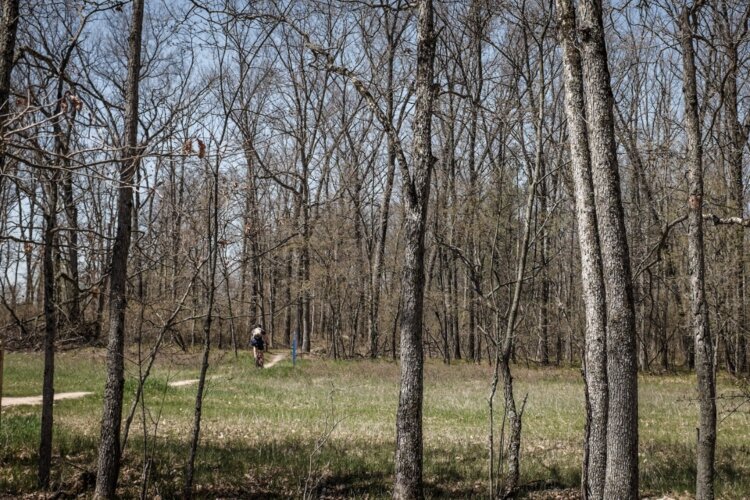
(259, 341)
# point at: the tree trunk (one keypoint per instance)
(408, 461)
(543, 348)
(213, 234)
(108, 466)
(479, 19)
(304, 261)
(622, 367)
(71, 212)
(704, 359)
(735, 192)
(52, 292)
(288, 298)
(506, 345)
(272, 290)
(592, 276)
(8, 31)
(50, 333)
(382, 233)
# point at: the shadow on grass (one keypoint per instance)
(340, 469)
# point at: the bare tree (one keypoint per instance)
(8, 29)
(212, 221)
(704, 356)
(731, 33)
(108, 465)
(416, 186)
(394, 28)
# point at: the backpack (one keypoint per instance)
(256, 341)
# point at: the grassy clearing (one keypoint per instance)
(263, 430)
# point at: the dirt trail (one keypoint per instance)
(274, 360)
(190, 381)
(182, 383)
(37, 400)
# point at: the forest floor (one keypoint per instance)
(328, 427)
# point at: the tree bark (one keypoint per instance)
(735, 189)
(50, 333)
(8, 32)
(478, 25)
(408, 460)
(592, 276)
(108, 465)
(289, 260)
(382, 232)
(704, 359)
(304, 269)
(71, 212)
(622, 367)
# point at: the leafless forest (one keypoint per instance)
(537, 182)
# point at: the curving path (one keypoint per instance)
(275, 359)
(37, 400)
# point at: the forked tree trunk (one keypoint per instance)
(408, 462)
(108, 465)
(622, 367)
(704, 359)
(592, 278)
(505, 346)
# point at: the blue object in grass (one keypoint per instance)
(294, 350)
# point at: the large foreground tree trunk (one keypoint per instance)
(592, 277)
(108, 465)
(704, 359)
(622, 367)
(408, 482)
(8, 31)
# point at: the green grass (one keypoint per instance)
(261, 429)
